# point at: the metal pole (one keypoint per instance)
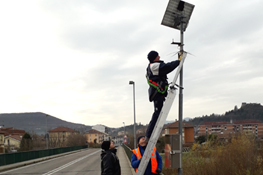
(180, 170)
(134, 132)
(124, 129)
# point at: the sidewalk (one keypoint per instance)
(125, 164)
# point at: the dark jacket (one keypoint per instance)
(135, 163)
(157, 73)
(110, 164)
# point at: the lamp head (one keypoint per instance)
(131, 82)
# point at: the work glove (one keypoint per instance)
(180, 56)
(159, 171)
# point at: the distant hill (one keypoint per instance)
(36, 122)
(186, 119)
(251, 111)
(169, 121)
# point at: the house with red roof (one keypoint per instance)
(12, 142)
(10, 138)
(58, 136)
(188, 131)
(12, 131)
(95, 136)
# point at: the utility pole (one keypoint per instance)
(180, 170)
(177, 16)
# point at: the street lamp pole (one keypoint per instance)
(124, 130)
(124, 127)
(134, 128)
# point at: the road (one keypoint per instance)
(85, 162)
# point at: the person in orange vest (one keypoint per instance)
(155, 164)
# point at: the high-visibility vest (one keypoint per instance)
(153, 159)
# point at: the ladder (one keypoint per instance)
(161, 120)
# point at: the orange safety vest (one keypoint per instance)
(153, 158)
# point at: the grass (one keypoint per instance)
(240, 156)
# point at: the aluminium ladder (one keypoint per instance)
(160, 122)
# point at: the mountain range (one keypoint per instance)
(37, 122)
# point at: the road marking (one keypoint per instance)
(40, 162)
(68, 164)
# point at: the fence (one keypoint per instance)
(128, 151)
(6, 159)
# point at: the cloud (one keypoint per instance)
(74, 60)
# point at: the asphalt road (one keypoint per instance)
(85, 162)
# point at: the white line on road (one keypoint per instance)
(68, 164)
(38, 163)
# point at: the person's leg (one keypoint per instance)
(158, 104)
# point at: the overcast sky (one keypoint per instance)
(74, 59)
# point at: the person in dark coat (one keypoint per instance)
(110, 164)
(156, 74)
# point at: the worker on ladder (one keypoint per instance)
(156, 74)
(155, 164)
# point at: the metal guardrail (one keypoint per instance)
(10, 158)
(128, 151)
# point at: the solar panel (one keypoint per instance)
(176, 12)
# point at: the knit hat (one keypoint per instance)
(139, 138)
(105, 145)
(152, 55)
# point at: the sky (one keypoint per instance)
(74, 59)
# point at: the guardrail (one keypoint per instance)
(9, 158)
(128, 151)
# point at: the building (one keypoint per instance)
(58, 136)
(12, 131)
(95, 136)
(12, 142)
(100, 128)
(187, 131)
(221, 128)
(141, 131)
(224, 129)
(118, 140)
(2, 139)
(120, 133)
(10, 138)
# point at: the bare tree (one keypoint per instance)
(38, 141)
(76, 140)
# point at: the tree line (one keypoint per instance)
(247, 112)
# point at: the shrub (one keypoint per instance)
(26, 143)
(238, 157)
